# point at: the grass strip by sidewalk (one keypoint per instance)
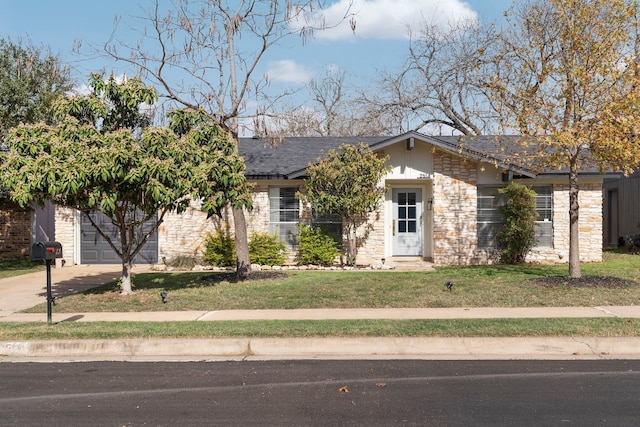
(599, 327)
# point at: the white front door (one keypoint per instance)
(407, 221)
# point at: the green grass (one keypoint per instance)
(14, 268)
(602, 327)
(487, 286)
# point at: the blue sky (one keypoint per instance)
(379, 42)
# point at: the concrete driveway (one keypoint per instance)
(22, 292)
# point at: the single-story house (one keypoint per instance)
(441, 204)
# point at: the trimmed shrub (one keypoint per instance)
(220, 249)
(315, 247)
(265, 249)
(518, 234)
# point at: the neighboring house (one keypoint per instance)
(15, 231)
(20, 227)
(441, 205)
(621, 208)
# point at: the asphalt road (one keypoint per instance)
(322, 393)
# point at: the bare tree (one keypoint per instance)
(332, 110)
(191, 52)
(441, 83)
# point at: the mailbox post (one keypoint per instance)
(48, 252)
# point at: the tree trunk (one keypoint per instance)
(351, 245)
(243, 263)
(574, 227)
(125, 280)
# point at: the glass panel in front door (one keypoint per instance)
(407, 219)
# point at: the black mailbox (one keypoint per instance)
(46, 251)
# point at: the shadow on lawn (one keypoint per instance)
(182, 280)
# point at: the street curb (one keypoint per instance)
(434, 348)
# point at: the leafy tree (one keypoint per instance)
(191, 51)
(101, 155)
(31, 79)
(518, 234)
(568, 79)
(347, 183)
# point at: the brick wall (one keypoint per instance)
(15, 232)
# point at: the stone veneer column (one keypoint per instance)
(371, 238)
(66, 219)
(454, 210)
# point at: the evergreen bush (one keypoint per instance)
(266, 249)
(220, 248)
(518, 234)
(315, 247)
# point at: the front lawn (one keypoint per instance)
(486, 286)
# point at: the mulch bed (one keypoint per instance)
(605, 282)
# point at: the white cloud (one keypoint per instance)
(391, 19)
(288, 71)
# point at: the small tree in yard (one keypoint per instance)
(101, 155)
(567, 77)
(347, 183)
(518, 234)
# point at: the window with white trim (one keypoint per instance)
(489, 217)
(284, 214)
(544, 216)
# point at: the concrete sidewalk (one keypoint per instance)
(337, 314)
(22, 292)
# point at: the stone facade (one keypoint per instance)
(454, 221)
(185, 234)
(15, 232)
(589, 220)
(454, 206)
(371, 244)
